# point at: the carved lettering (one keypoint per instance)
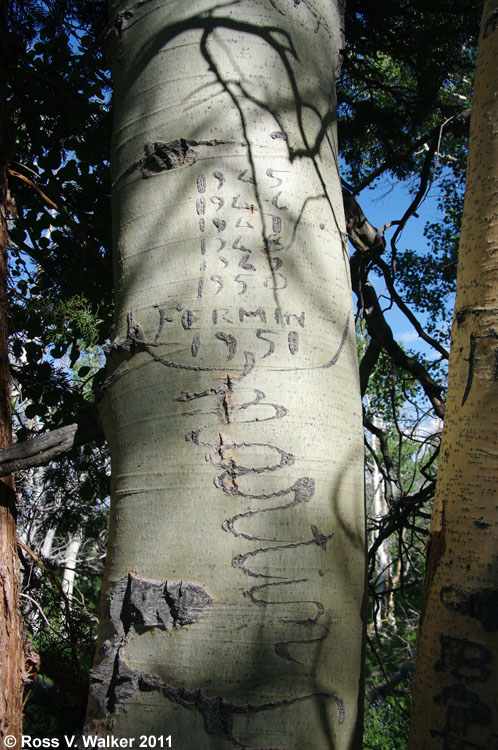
(163, 318)
(293, 342)
(208, 206)
(299, 319)
(470, 709)
(236, 246)
(473, 358)
(276, 281)
(456, 743)
(252, 314)
(220, 313)
(235, 203)
(188, 319)
(221, 180)
(230, 341)
(275, 202)
(196, 342)
(276, 224)
(244, 263)
(219, 202)
(275, 263)
(242, 177)
(241, 281)
(242, 223)
(218, 281)
(220, 224)
(273, 245)
(271, 174)
(271, 344)
(201, 183)
(464, 660)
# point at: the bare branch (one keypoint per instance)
(368, 362)
(396, 521)
(43, 448)
(406, 310)
(64, 597)
(369, 244)
(362, 234)
(392, 476)
(457, 123)
(387, 687)
(378, 328)
(425, 180)
(77, 227)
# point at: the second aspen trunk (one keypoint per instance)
(456, 685)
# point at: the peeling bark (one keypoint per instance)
(162, 156)
(134, 606)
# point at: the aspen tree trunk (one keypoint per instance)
(456, 685)
(234, 589)
(46, 548)
(383, 574)
(70, 563)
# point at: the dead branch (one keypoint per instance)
(43, 448)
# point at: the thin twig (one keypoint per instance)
(65, 599)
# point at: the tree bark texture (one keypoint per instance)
(456, 685)
(11, 635)
(11, 632)
(234, 589)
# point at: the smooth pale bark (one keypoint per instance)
(70, 563)
(384, 614)
(234, 586)
(456, 686)
(46, 549)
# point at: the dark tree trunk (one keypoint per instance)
(11, 631)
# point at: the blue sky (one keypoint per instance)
(387, 202)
